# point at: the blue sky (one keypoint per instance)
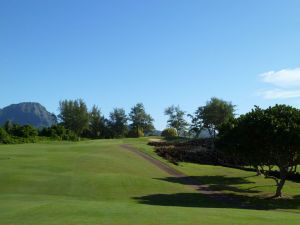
(159, 52)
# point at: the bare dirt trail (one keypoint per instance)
(203, 189)
(157, 163)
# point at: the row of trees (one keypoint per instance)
(206, 118)
(74, 115)
(77, 121)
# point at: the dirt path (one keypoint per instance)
(195, 184)
(169, 170)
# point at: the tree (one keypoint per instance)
(8, 126)
(176, 119)
(74, 115)
(96, 123)
(141, 122)
(4, 136)
(266, 139)
(211, 116)
(118, 122)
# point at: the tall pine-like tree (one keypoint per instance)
(74, 115)
(118, 123)
(96, 123)
(141, 122)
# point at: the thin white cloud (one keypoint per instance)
(279, 94)
(284, 78)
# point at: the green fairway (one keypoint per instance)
(98, 182)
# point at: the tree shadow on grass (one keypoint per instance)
(211, 195)
(219, 201)
(213, 183)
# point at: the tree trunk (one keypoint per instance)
(281, 183)
(258, 172)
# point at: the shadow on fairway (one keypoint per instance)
(212, 199)
(216, 183)
(219, 201)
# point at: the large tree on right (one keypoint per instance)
(266, 139)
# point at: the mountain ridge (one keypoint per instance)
(27, 113)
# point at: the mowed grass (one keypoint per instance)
(98, 182)
(244, 188)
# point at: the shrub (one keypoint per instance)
(28, 131)
(25, 131)
(58, 132)
(169, 133)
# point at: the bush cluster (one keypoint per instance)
(169, 133)
(13, 134)
(196, 151)
(58, 132)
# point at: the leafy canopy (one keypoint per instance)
(211, 116)
(118, 122)
(74, 115)
(96, 123)
(140, 120)
(176, 119)
(264, 139)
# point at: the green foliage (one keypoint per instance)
(8, 126)
(264, 139)
(25, 131)
(14, 134)
(141, 121)
(74, 115)
(176, 119)
(96, 123)
(58, 132)
(136, 133)
(212, 116)
(118, 123)
(169, 133)
(4, 136)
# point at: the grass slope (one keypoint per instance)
(97, 182)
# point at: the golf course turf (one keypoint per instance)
(100, 182)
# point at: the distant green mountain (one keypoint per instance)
(27, 113)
